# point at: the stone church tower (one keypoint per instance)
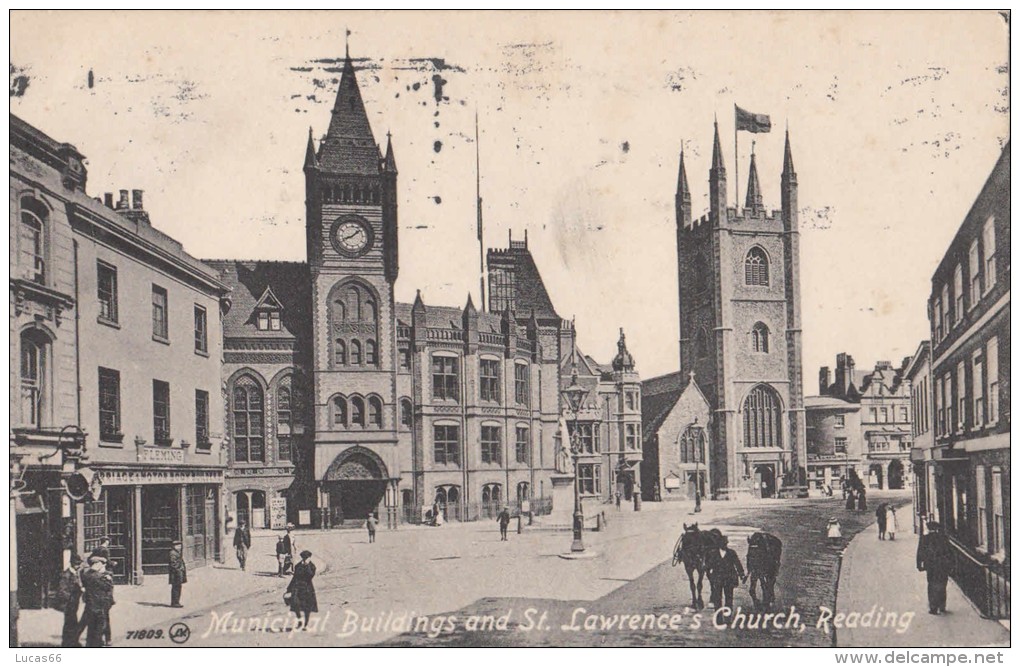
(351, 229)
(740, 330)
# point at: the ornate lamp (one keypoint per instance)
(574, 395)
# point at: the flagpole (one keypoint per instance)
(478, 204)
(736, 160)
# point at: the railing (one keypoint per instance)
(479, 511)
(491, 338)
(444, 334)
(986, 584)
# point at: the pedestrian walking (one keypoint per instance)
(70, 597)
(851, 499)
(281, 555)
(178, 573)
(880, 514)
(891, 523)
(104, 550)
(242, 542)
(935, 559)
(725, 573)
(504, 522)
(834, 531)
(371, 523)
(289, 544)
(301, 592)
(98, 587)
(862, 499)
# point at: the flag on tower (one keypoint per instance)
(752, 122)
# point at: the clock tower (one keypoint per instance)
(351, 230)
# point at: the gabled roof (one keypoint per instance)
(256, 283)
(659, 395)
(268, 301)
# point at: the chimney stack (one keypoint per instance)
(122, 203)
(823, 380)
(136, 200)
(108, 199)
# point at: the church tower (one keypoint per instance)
(351, 230)
(739, 300)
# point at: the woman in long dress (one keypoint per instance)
(302, 591)
(890, 523)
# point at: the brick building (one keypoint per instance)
(835, 441)
(968, 465)
(343, 401)
(739, 281)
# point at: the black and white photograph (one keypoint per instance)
(510, 329)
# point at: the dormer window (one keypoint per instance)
(268, 312)
(269, 320)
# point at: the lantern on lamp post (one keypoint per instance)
(699, 452)
(574, 395)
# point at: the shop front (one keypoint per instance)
(144, 510)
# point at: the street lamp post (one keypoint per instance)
(574, 395)
(699, 441)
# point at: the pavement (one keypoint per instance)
(873, 568)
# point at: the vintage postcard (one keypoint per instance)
(510, 329)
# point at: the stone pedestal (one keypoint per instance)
(562, 514)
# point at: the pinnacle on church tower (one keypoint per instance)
(753, 201)
(717, 160)
(789, 174)
(683, 194)
(349, 146)
(717, 181)
(310, 160)
(389, 162)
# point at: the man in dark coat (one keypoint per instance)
(98, 585)
(935, 558)
(881, 516)
(104, 550)
(178, 572)
(242, 542)
(70, 596)
(504, 522)
(724, 573)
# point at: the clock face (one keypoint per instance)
(351, 236)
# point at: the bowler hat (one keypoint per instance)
(306, 554)
(96, 559)
(75, 559)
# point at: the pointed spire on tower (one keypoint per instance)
(310, 160)
(717, 159)
(788, 170)
(349, 146)
(683, 194)
(753, 200)
(682, 188)
(389, 161)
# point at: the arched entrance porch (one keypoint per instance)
(895, 474)
(356, 484)
(765, 479)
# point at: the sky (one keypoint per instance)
(895, 120)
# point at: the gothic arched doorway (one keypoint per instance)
(895, 474)
(765, 478)
(356, 481)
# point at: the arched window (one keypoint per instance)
(406, 413)
(371, 358)
(340, 310)
(355, 353)
(700, 343)
(249, 424)
(760, 337)
(375, 411)
(33, 239)
(34, 368)
(339, 411)
(370, 311)
(353, 299)
(340, 353)
(523, 492)
(358, 411)
(289, 406)
(756, 267)
(692, 445)
(492, 497)
(347, 194)
(763, 425)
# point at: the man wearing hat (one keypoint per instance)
(70, 596)
(935, 558)
(725, 572)
(504, 522)
(98, 585)
(178, 573)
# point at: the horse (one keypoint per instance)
(764, 554)
(690, 549)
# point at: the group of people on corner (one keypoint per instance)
(92, 583)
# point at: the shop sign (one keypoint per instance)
(160, 455)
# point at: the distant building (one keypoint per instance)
(885, 417)
(115, 337)
(970, 349)
(677, 420)
(835, 441)
(740, 328)
(918, 374)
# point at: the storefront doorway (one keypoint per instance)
(161, 524)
